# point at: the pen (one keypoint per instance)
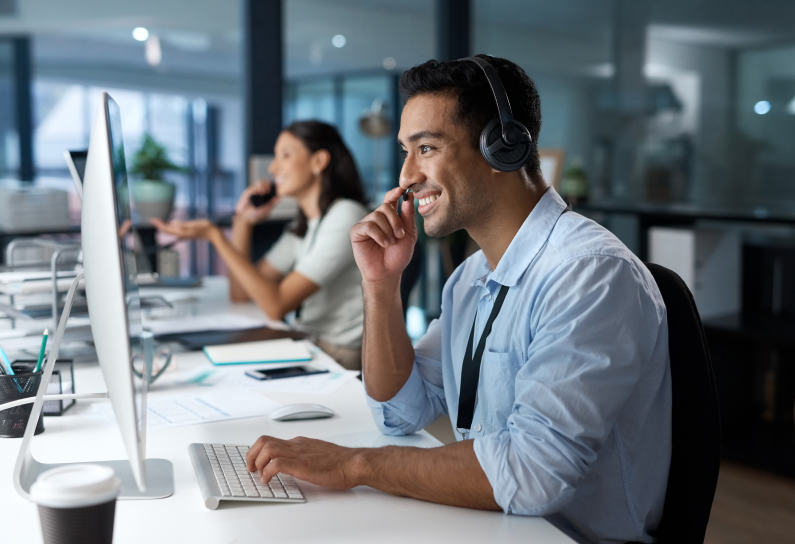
(6, 363)
(41, 351)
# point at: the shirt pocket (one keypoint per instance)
(498, 385)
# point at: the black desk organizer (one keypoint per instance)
(23, 384)
(61, 381)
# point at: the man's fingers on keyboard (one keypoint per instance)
(280, 465)
(271, 450)
(255, 451)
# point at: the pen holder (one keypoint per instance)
(61, 381)
(22, 385)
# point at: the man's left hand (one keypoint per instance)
(314, 461)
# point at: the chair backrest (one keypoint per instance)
(695, 457)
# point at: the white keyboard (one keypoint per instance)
(222, 474)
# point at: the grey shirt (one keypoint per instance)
(325, 256)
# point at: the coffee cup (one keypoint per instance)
(77, 503)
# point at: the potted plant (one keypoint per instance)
(152, 195)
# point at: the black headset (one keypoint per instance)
(505, 142)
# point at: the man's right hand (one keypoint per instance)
(247, 212)
(383, 243)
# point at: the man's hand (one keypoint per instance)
(307, 459)
(248, 213)
(383, 242)
(197, 229)
(447, 475)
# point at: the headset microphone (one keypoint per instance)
(505, 143)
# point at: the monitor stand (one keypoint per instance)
(159, 473)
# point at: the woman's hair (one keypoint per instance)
(340, 178)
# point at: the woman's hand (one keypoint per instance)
(383, 243)
(197, 229)
(250, 214)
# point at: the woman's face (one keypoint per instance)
(292, 166)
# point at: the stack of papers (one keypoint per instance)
(285, 350)
(30, 282)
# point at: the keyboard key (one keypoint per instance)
(251, 493)
(238, 493)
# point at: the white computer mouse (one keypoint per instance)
(301, 411)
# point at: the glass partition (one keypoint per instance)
(661, 102)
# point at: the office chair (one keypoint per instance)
(696, 435)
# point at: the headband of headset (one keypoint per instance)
(509, 134)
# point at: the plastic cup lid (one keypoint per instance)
(75, 486)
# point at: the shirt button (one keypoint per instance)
(477, 427)
(488, 297)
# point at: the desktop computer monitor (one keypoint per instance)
(76, 161)
(110, 280)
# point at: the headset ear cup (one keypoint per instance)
(505, 158)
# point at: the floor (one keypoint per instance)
(750, 506)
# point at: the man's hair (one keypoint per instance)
(476, 105)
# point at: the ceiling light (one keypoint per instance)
(389, 63)
(762, 107)
(338, 41)
(791, 106)
(140, 34)
(152, 51)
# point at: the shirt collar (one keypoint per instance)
(524, 247)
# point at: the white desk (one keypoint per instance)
(361, 514)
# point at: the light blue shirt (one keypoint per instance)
(573, 411)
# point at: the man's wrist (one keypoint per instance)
(384, 289)
(360, 465)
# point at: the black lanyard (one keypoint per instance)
(470, 370)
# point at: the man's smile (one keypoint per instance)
(427, 200)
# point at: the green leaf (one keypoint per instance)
(151, 161)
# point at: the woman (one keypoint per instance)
(311, 266)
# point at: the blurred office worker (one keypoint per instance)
(563, 406)
(311, 266)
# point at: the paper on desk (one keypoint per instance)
(235, 378)
(14, 283)
(166, 411)
(221, 321)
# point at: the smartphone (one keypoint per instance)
(258, 200)
(277, 373)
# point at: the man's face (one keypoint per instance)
(442, 167)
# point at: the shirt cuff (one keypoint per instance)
(490, 450)
(402, 413)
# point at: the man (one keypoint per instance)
(573, 411)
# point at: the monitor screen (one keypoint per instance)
(127, 239)
(79, 160)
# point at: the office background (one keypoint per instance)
(661, 113)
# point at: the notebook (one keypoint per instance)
(285, 350)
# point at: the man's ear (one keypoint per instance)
(320, 160)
